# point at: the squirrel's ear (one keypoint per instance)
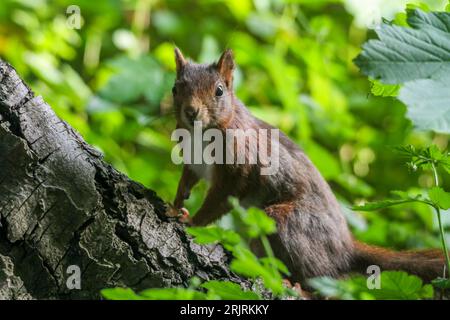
(225, 66)
(180, 61)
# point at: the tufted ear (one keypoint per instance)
(180, 61)
(225, 66)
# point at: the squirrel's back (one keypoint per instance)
(313, 238)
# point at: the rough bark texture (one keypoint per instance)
(62, 205)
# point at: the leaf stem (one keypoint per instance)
(444, 246)
(441, 227)
(268, 250)
(436, 178)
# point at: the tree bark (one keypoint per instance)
(61, 205)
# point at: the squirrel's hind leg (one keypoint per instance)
(310, 243)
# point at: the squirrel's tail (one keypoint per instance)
(427, 264)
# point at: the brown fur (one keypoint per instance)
(313, 238)
(427, 264)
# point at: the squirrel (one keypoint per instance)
(312, 238)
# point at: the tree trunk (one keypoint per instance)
(62, 208)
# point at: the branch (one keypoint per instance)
(62, 205)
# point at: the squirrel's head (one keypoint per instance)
(203, 92)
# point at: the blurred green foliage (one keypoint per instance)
(396, 285)
(111, 80)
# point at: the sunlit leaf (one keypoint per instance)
(266, 261)
(120, 294)
(384, 90)
(439, 197)
(400, 285)
(172, 294)
(394, 285)
(370, 206)
(259, 223)
(229, 291)
(213, 234)
(247, 264)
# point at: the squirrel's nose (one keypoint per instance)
(191, 113)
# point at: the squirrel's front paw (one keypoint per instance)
(184, 217)
(182, 214)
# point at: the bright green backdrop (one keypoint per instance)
(111, 80)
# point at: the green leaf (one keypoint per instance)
(120, 294)
(439, 197)
(384, 90)
(441, 283)
(229, 291)
(172, 294)
(428, 102)
(124, 86)
(324, 160)
(371, 206)
(399, 285)
(419, 57)
(247, 264)
(330, 287)
(212, 234)
(259, 223)
(400, 194)
(267, 262)
(404, 54)
(425, 157)
(153, 294)
(394, 285)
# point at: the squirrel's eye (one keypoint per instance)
(174, 90)
(219, 91)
